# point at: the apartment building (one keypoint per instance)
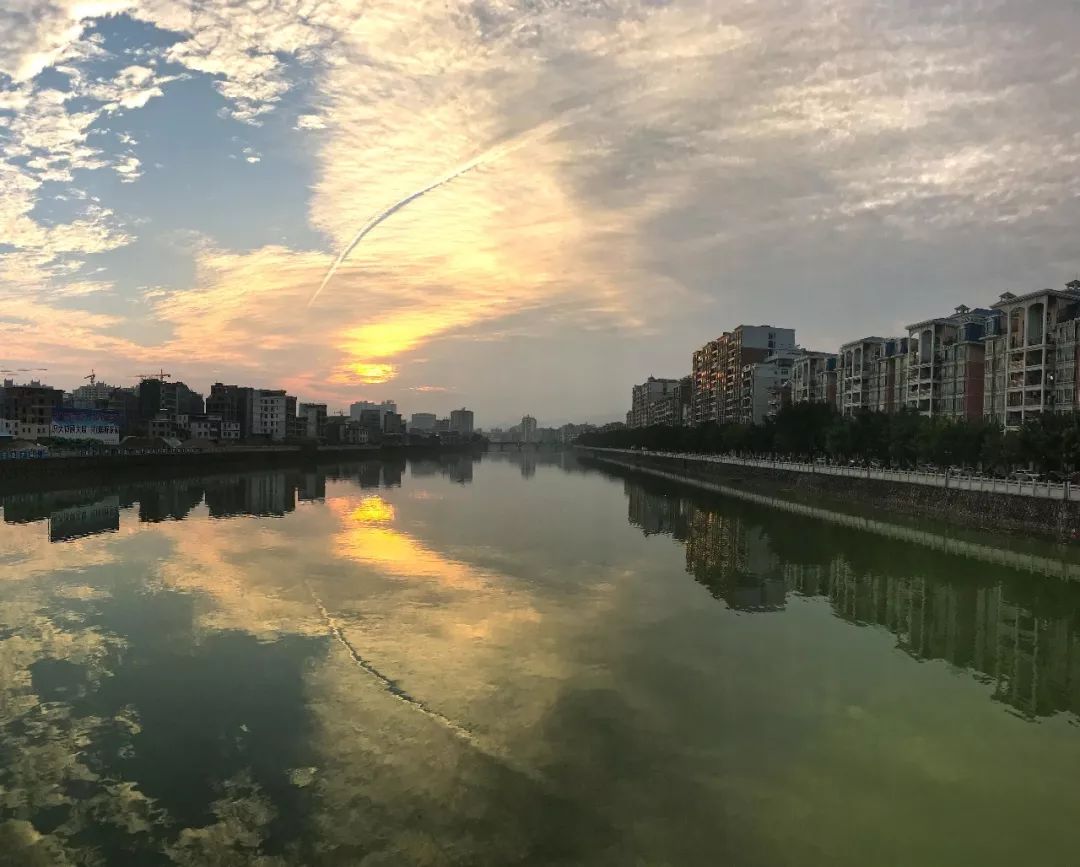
(313, 416)
(648, 404)
(888, 390)
(1034, 346)
(946, 363)
(31, 405)
(855, 375)
(813, 378)
(232, 404)
(718, 369)
(705, 373)
(271, 411)
(763, 387)
(682, 402)
(675, 408)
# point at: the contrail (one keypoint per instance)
(395, 689)
(495, 152)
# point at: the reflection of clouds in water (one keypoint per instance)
(47, 746)
(197, 593)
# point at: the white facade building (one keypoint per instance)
(856, 374)
(269, 414)
(89, 396)
(761, 386)
(810, 378)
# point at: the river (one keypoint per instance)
(519, 660)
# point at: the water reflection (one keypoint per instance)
(1020, 634)
(478, 661)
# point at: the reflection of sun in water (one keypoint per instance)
(373, 510)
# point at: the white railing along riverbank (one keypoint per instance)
(953, 481)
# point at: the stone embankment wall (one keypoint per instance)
(976, 509)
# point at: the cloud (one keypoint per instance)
(721, 162)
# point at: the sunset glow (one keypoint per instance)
(515, 192)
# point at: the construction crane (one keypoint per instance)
(92, 377)
(161, 374)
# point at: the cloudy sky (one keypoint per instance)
(177, 177)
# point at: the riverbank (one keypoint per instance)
(1054, 520)
(66, 471)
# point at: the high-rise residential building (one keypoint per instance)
(528, 429)
(674, 409)
(461, 421)
(766, 387)
(946, 369)
(422, 422)
(314, 418)
(889, 378)
(813, 378)
(393, 423)
(231, 403)
(649, 404)
(271, 411)
(1031, 359)
(855, 374)
(718, 369)
(682, 402)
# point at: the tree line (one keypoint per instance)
(1048, 443)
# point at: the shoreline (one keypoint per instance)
(54, 473)
(1049, 520)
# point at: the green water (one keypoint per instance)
(518, 660)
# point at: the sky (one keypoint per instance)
(560, 197)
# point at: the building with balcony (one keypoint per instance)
(856, 372)
(946, 363)
(1034, 346)
(813, 378)
(766, 387)
(888, 388)
(718, 369)
(648, 404)
(674, 409)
